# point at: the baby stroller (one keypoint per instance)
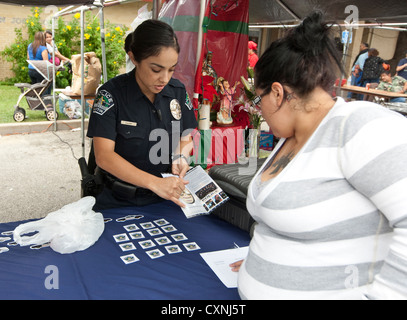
(33, 93)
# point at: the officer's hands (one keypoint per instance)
(171, 188)
(180, 167)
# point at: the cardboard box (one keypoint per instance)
(266, 141)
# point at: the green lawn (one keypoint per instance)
(8, 99)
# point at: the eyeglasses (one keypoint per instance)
(257, 99)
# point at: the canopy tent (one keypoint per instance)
(269, 13)
(290, 11)
(44, 3)
(286, 11)
(82, 6)
(349, 14)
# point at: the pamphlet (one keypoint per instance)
(202, 195)
(219, 262)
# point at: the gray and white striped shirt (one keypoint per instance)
(333, 223)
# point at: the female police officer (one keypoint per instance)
(140, 124)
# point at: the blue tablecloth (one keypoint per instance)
(100, 273)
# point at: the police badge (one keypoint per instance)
(175, 109)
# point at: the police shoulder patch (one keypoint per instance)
(103, 102)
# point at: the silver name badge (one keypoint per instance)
(128, 123)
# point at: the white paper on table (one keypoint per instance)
(219, 262)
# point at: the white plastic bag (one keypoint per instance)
(142, 15)
(75, 227)
(73, 109)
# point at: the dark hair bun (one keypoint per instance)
(311, 36)
(305, 59)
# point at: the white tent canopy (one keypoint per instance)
(291, 11)
(81, 6)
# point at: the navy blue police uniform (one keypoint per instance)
(145, 134)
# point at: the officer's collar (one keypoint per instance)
(167, 91)
(134, 88)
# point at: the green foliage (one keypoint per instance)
(68, 40)
(17, 55)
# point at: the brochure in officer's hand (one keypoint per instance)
(201, 195)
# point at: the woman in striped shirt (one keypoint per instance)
(330, 201)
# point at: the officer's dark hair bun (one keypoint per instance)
(305, 59)
(150, 37)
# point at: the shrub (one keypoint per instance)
(67, 38)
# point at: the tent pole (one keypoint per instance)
(200, 33)
(83, 81)
(103, 43)
(390, 26)
(156, 8)
(346, 47)
(55, 16)
(53, 76)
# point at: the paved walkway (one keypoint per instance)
(39, 172)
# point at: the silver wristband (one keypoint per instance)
(177, 156)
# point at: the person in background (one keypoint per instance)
(253, 58)
(402, 67)
(393, 84)
(372, 68)
(51, 46)
(141, 123)
(37, 50)
(357, 69)
(330, 200)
